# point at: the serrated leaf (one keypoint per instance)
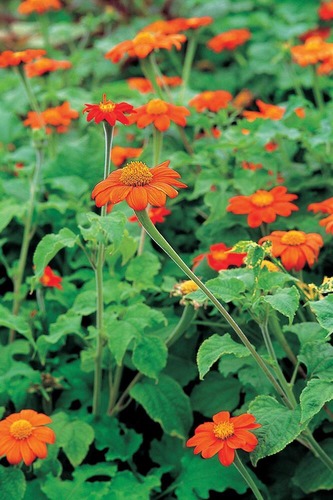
(17, 323)
(316, 393)
(318, 358)
(7, 212)
(119, 334)
(166, 403)
(214, 347)
(311, 474)
(280, 426)
(125, 485)
(142, 270)
(150, 356)
(49, 246)
(226, 289)
(307, 332)
(12, 483)
(85, 303)
(285, 301)
(121, 443)
(215, 393)
(110, 227)
(324, 311)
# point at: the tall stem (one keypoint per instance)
(247, 478)
(108, 134)
(317, 91)
(148, 70)
(189, 56)
(158, 238)
(317, 449)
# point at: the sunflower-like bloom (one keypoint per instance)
(139, 185)
(220, 257)
(224, 435)
(10, 58)
(263, 206)
(109, 111)
(120, 154)
(51, 280)
(23, 436)
(266, 112)
(229, 40)
(314, 50)
(45, 65)
(160, 113)
(212, 100)
(295, 248)
(143, 44)
(59, 117)
(156, 215)
(39, 6)
(325, 11)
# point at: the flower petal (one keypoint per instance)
(226, 456)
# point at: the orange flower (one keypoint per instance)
(220, 257)
(325, 206)
(50, 279)
(39, 6)
(108, 111)
(160, 113)
(59, 117)
(326, 66)
(145, 86)
(325, 11)
(170, 81)
(300, 112)
(323, 32)
(271, 146)
(247, 165)
(10, 58)
(194, 23)
(313, 51)
(243, 98)
(156, 215)
(225, 435)
(263, 206)
(213, 100)
(229, 40)
(266, 112)
(165, 27)
(327, 223)
(138, 185)
(45, 65)
(119, 154)
(143, 44)
(23, 436)
(295, 248)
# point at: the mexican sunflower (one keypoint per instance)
(325, 11)
(109, 111)
(145, 86)
(143, 44)
(263, 206)
(325, 206)
(39, 6)
(139, 185)
(159, 113)
(59, 117)
(314, 50)
(266, 111)
(156, 215)
(164, 26)
(323, 31)
(224, 435)
(50, 279)
(212, 100)
(327, 223)
(229, 40)
(10, 58)
(120, 154)
(45, 65)
(220, 257)
(295, 248)
(23, 436)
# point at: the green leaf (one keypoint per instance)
(215, 393)
(318, 358)
(17, 323)
(167, 452)
(285, 301)
(166, 403)
(49, 246)
(307, 332)
(120, 334)
(109, 228)
(12, 483)
(73, 436)
(311, 474)
(7, 212)
(142, 271)
(125, 485)
(268, 280)
(150, 356)
(85, 303)
(280, 426)
(214, 347)
(316, 393)
(324, 311)
(226, 289)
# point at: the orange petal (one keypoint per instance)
(44, 434)
(137, 198)
(226, 456)
(38, 447)
(26, 452)
(14, 455)
(222, 416)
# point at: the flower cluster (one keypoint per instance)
(315, 50)
(59, 117)
(229, 40)
(9, 58)
(45, 65)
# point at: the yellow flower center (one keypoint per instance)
(293, 238)
(223, 430)
(220, 255)
(144, 38)
(157, 107)
(106, 106)
(188, 287)
(21, 429)
(262, 198)
(136, 173)
(269, 266)
(207, 96)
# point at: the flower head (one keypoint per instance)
(164, 26)
(243, 99)
(220, 257)
(50, 279)
(120, 154)
(325, 11)
(313, 51)
(109, 111)
(138, 185)
(263, 206)
(39, 6)
(212, 100)
(156, 215)
(59, 117)
(143, 44)
(144, 86)
(45, 65)
(327, 223)
(224, 435)
(323, 31)
(325, 206)
(160, 113)
(295, 248)
(23, 436)
(266, 112)
(271, 146)
(229, 40)
(10, 58)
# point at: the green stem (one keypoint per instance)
(108, 134)
(118, 407)
(189, 56)
(158, 238)
(45, 29)
(317, 449)
(186, 319)
(115, 384)
(27, 235)
(317, 91)
(277, 332)
(148, 70)
(247, 478)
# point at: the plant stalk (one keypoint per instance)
(247, 478)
